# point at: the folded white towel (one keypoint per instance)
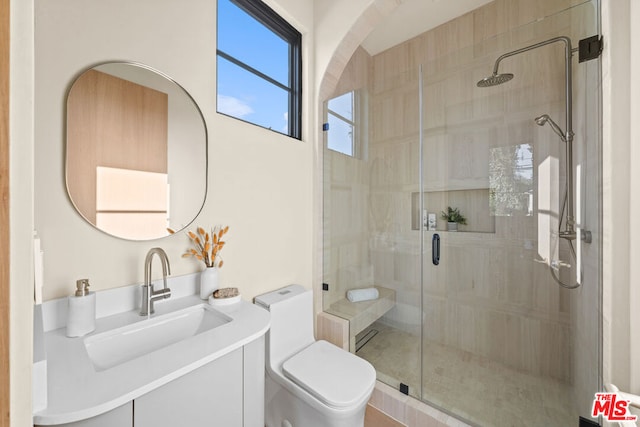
(366, 294)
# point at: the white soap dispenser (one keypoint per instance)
(81, 313)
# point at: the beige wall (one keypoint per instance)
(334, 21)
(21, 216)
(634, 253)
(259, 181)
(621, 278)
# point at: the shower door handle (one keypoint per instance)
(435, 249)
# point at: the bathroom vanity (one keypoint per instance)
(188, 364)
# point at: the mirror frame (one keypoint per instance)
(66, 145)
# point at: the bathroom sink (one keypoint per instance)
(111, 348)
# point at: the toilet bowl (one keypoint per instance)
(309, 383)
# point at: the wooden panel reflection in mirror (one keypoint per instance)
(113, 123)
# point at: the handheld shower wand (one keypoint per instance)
(544, 119)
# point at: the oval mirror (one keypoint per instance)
(136, 158)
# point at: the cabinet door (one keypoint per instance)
(209, 396)
(122, 416)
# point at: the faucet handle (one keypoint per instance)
(160, 293)
(164, 292)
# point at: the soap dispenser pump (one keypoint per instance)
(81, 313)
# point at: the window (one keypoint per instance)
(340, 116)
(259, 66)
(346, 124)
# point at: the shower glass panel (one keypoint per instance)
(471, 321)
(368, 238)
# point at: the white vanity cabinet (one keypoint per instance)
(226, 392)
(209, 396)
(118, 417)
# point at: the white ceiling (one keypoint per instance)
(413, 17)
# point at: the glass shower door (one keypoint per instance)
(395, 247)
(504, 343)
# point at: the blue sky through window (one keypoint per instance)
(343, 105)
(242, 94)
(341, 124)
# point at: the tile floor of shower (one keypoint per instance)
(472, 387)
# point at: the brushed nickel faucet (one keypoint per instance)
(149, 296)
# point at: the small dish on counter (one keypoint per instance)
(224, 301)
(224, 296)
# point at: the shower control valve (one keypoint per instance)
(585, 235)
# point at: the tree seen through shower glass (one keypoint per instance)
(511, 180)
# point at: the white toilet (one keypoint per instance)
(309, 383)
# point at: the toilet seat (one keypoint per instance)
(337, 378)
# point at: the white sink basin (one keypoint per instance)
(120, 345)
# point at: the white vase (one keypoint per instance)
(452, 226)
(208, 282)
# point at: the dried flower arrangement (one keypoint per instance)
(207, 246)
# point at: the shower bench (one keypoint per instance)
(362, 314)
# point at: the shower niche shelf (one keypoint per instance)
(473, 204)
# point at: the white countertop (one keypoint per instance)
(76, 391)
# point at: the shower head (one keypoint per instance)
(495, 79)
(544, 119)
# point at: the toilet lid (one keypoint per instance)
(334, 376)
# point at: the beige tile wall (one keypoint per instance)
(333, 329)
(488, 296)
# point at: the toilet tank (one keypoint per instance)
(291, 328)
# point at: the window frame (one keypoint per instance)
(281, 28)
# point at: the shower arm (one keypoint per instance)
(569, 232)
